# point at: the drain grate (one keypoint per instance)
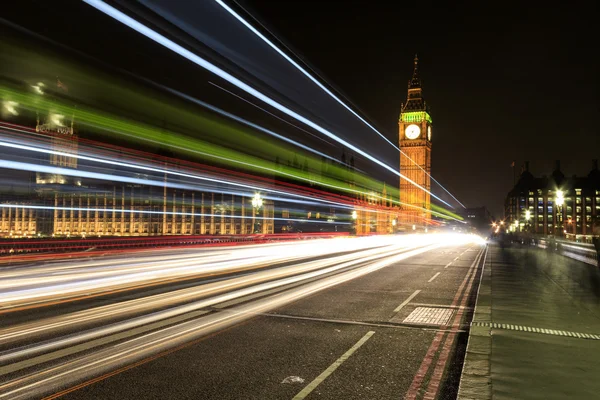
(429, 316)
(543, 331)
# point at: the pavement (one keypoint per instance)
(536, 328)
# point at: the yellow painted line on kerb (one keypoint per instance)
(312, 386)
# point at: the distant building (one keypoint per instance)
(478, 218)
(555, 205)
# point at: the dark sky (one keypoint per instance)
(504, 83)
(507, 83)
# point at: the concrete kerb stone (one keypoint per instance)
(475, 381)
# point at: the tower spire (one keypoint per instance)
(415, 101)
(415, 82)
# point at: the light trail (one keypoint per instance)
(17, 165)
(245, 122)
(110, 349)
(40, 286)
(255, 283)
(332, 95)
(162, 40)
(93, 175)
(127, 211)
(302, 70)
(166, 171)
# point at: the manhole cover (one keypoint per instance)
(429, 316)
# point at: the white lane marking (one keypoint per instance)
(405, 302)
(456, 258)
(311, 386)
(449, 264)
(433, 277)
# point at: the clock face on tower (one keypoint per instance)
(412, 131)
(429, 133)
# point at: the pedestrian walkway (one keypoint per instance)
(536, 328)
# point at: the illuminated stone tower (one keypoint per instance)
(415, 157)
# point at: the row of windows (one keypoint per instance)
(540, 192)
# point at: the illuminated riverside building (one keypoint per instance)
(555, 205)
(415, 157)
(135, 211)
(62, 206)
(375, 214)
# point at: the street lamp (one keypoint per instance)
(527, 219)
(257, 203)
(559, 201)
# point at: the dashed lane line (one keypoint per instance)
(405, 302)
(317, 381)
(433, 277)
(449, 264)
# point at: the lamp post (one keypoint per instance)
(354, 218)
(257, 203)
(527, 219)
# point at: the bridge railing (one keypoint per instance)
(585, 252)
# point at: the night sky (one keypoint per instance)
(506, 83)
(511, 83)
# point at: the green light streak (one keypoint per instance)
(148, 116)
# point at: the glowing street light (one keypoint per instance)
(354, 215)
(257, 203)
(560, 198)
(394, 222)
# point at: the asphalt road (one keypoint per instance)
(329, 337)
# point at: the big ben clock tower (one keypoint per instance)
(415, 154)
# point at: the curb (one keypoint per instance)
(475, 380)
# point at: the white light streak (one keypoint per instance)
(309, 76)
(162, 40)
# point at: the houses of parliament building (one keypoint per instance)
(64, 206)
(57, 205)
